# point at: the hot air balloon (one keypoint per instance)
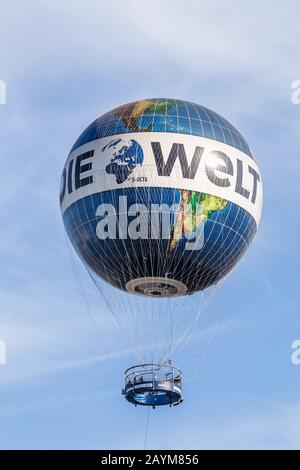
(160, 198)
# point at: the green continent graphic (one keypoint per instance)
(130, 114)
(195, 208)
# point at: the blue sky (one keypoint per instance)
(66, 63)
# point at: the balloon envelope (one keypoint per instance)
(161, 197)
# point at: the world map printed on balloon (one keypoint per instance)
(126, 155)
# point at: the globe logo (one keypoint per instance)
(126, 155)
